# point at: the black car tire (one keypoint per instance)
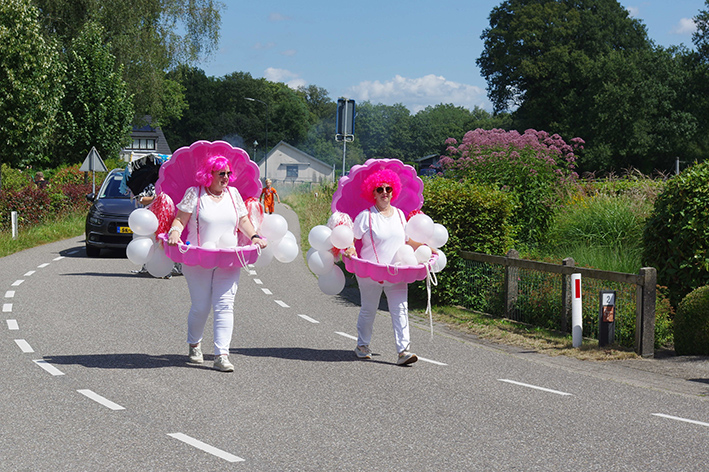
(92, 251)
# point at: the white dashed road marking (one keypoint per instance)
(346, 335)
(430, 361)
(282, 303)
(12, 325)
(58, 258)
(534, 387)
(7, 308)
(48, 367)
(101, 400)
(10, 294)
(677, 418)
(258, 282)
(307, 318)
(16, 283)
(266, 291)
(205, 447)
(29, 273)
(42, 266)
(24, 345)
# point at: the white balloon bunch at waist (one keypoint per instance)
(143, 249)
(321, 259)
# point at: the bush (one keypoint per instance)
(534, 166)
(676, 236)
(477, 218)
(14, 179)
(692, 324)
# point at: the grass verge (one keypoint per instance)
(69, 226)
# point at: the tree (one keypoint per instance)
(148, 38)
(384, 131)
(96, 110)
(30, 85)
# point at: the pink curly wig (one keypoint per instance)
(379, 179)
(204, 174)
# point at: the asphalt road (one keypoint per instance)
(94, 378)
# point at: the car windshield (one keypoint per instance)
(111, 188)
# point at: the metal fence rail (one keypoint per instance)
(539, 293)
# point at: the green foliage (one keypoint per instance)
(30, 85)
(691, 325)
(14, 179)
(477, 218)
(676, 236)
(96, 110)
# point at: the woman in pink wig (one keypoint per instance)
(209, 211)
(381, 229)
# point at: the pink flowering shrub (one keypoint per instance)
(534, 166)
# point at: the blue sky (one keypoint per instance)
(414, 52)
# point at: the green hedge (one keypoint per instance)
(477, 218)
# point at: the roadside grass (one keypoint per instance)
(69, 226)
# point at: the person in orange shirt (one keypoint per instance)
(267, 194)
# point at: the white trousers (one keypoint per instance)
(212, 290)
(397, 297)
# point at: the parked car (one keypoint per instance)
(107, 221)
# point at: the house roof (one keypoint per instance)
(284, 144)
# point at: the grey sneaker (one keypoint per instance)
(363, 352)
(196, 354)
(406, 357)
(222, 363)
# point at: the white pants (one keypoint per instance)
(212, 290)
(397, 297)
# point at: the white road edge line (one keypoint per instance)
(430, 360)
(282, 303)
(24, 345)
(346, 335)
(101, 400)
(535, 387)
(48, 367)
(677, 418)
(307, 318)
(12, 325)
(205, 447)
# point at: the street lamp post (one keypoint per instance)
(265, 156)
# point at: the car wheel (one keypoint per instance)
(92, 251)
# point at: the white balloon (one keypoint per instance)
(140, 250)
(159, 265)
(143, 221)
(404, 255)
(439, 236)
(342, 237)
(332, 282)
(274, 227)
(265, 257)
(423, 254)
(149, 236)
(440, 262)
(291, 236)
(227, 241)
(420, 228)
(309, 253)
(319, 237)
(321, 262)
(286, 250)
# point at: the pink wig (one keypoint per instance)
(204, 173)
(381, 178)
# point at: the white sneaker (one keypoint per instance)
(196, 354)
(363, 352)
(406, 357)
(222, 363)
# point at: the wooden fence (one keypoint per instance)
(514, 268)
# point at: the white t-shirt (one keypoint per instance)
(216, 217)
(389, 234)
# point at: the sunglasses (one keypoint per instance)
(383, 189)
(225, 174)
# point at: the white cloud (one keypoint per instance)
(685, 26)
(416, 94)
(275, 16)
(289, 52)
(291, 79)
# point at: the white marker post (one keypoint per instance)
(13, 220)
(576, 311)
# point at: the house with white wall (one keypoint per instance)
(287, 164)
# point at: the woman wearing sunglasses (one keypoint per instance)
(381, 228)
(209, 211)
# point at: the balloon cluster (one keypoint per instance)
(143, 249)
(324, 241)
(422, 229)
(282, 244)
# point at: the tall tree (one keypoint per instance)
(384, 131)
(30, 85)
(96, 110)
(147, 37)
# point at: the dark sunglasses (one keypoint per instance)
(383, 189)
(225, 174)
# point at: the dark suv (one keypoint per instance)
(107, 221)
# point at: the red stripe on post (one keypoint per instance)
(578, 288)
